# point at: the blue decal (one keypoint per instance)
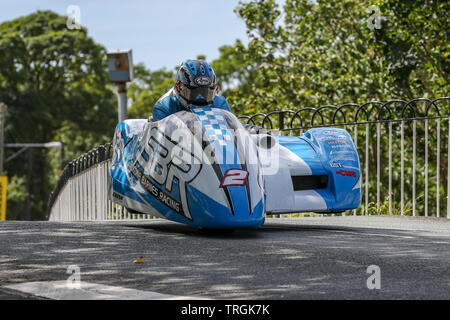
(191, 66)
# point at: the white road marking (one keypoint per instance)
(390, 235)
(374, 234)
(58, 290)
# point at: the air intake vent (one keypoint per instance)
(309, 182)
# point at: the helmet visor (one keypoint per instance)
(198, 96)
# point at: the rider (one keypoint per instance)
(196, 84)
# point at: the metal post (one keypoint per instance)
(367, 172)
(27, 212)
(426, 167)
(390, 168)
(122, 101)
(414, 170)
(120, 70)
(402, 167)
(281, 123)
(356, 146)
(438, 165)
(448, 171)
(378, 166)
(63, 154)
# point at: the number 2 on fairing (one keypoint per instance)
(234, 177)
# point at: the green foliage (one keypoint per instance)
(236, 76)
(55, 84)
(312, 53)
(415, 47)
(323, 52)
(304, 54)
(146, 88)
(16, 195)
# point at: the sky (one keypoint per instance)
(161, 33)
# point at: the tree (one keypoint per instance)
(146, 88)
(324, 52)
(236, 75)
(55, 84)
(315, 53)
(415, 45)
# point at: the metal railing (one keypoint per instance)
(81, 193)
(403, 155)
(403, 148)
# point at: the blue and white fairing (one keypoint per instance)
(176, 168)
(203, 168)
(317, 172)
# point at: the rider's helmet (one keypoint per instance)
(196, 83)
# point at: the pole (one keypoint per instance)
(2, 129)
(63, 154)
(122, 100)
(27, 213)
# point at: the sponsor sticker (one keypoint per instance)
(331, 142)
(202, 81)
(335, 164)
(117, 196)
(346, 173)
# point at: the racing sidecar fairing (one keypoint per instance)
(203, 168)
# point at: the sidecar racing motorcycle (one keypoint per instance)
(202, 167)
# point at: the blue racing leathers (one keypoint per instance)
(169, 104)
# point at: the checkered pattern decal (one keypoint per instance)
(215, 125)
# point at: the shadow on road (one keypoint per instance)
(308, 259)
(186, 230)
(244, 233)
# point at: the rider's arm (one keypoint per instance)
(160, 111)
(221, 102)
(164, 106)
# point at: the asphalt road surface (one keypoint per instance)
(303, 258)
